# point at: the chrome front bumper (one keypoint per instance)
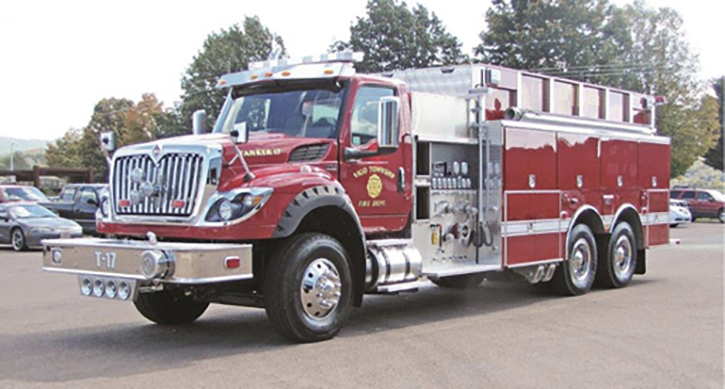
(179, 263)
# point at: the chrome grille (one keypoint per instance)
(176, 179)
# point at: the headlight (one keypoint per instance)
(237, 204)
(41, 230)
(225, 210)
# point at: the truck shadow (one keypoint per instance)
(131, 349)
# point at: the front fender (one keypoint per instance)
(310, 199)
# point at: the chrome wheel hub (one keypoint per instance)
(622, 260)
(580, 262)
(321, 289)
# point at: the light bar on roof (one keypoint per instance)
(343, 56)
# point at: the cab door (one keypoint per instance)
(379, 185)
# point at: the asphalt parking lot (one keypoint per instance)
(665, 330)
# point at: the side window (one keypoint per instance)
(675, 194)
(68, 194)
(704, 196)
(364, 122)
(689, 194)
(88, 194)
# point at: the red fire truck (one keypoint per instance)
(319, 185)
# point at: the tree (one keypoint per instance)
(224, 52)
(559, 36)
(635, 47)
(132, 123)
(66, 151)
(394, 37)
(714, 156)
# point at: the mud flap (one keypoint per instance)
(641, 267)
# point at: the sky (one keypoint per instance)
(59, 58)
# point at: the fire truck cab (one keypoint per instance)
(318, 185)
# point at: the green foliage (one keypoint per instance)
(132, 123)
(702, 176)
(564, 36)
(714, 156)
(394, 37)
(23, 160)
(224, 52)
(635, 47)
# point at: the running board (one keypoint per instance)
(402, 287)
(457, 271)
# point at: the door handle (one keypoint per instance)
(401, 180)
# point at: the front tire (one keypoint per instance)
(169, 307)
(575, 276)
(617, 269)
(721, 215)
(18, 240)
(464, 281)
(308, 288)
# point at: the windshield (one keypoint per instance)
(309, 111)
(27, 211)
(28, 193)
(717, 195)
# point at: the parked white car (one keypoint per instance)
(679, 213)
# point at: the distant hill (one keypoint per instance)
(21, 144)
(24, 159)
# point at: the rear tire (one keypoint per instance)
(18, 239)
(575, 276)
(721, 215)
(617, 269)
(308, 288)
(464, 281)
(169, 307)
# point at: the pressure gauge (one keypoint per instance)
(464, 168)
(456, 168)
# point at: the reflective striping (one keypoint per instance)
(532, 227)
(656, 218)
(549, 226)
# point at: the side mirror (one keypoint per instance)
(388, 123)
(198, 121)
(240, 133)
(108, 141)
(4, 216)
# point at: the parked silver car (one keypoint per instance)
(24, 225)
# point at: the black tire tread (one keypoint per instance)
(25, 243)
(560, 284)
(605, 272)
(277, 278)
